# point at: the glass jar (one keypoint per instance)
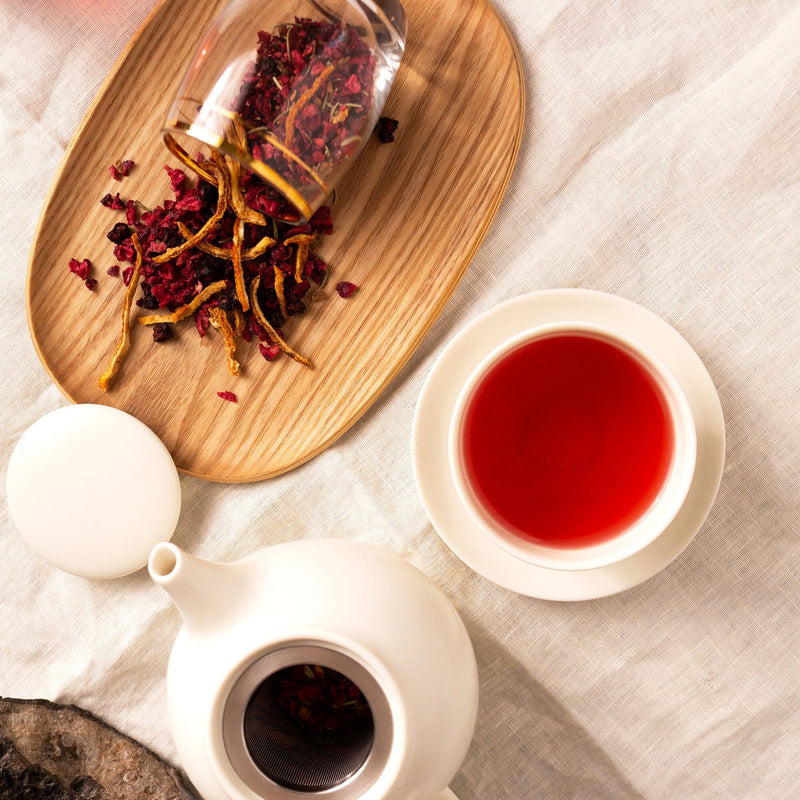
(289, 91)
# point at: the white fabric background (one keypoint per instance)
(660, 162)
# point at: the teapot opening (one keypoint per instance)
(307, 719)
(308, 728)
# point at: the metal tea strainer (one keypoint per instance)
(280, 751)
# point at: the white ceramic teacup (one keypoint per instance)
(636, 534)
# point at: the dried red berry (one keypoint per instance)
(119, 233)
(80, 268)
(345, 288)
(324, 75)
(121, 169)
(113, 271)
(311, 86)
(386, 128)
(270, 352)
(162, 332)
(130, 212)
(321, 221)
(229, 396)
(90, 284)
(177, 179)
(202, 320)
(114, 202)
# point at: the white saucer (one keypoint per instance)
(437, 401)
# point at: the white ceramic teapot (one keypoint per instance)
(364, 627)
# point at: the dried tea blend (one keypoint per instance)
(228, 250)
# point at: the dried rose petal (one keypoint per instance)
(229, 396)
(345, 288)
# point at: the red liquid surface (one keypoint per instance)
(567, 440)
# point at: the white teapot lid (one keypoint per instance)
(92, 489)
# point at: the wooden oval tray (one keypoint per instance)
(408, 220)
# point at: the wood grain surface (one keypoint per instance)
(408, 220)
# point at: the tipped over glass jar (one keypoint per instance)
(289, 91)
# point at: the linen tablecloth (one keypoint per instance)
(660, 162)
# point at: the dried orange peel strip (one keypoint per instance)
(251, 253)
(187, 160)
(271, 332)
(279, 293)
(240, 208)
(291, 117)
(125, 336)
(184, 311)
(236, 257)
(303, 242)
(222, 204)
(238, 321)
(234, 168)
(219, 319)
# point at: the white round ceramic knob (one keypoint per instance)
(92, 490)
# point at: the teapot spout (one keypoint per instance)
(204, 591)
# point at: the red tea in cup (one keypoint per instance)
(566, 441)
